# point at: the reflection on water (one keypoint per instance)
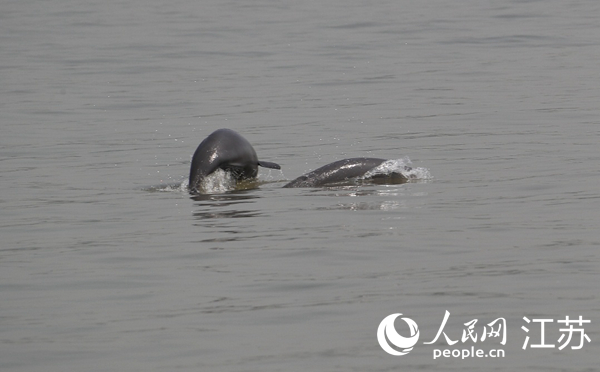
(211, 206)
(386, 205)
(225, 199)
(226, 214)
(373, 198)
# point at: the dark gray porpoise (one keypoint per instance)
(339, 171)
(228, 150)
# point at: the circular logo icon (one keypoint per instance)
(387, 334)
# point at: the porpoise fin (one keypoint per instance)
(268, 164)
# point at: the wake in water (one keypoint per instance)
(390, 172)
(218, 182)
(225, 161)
(398, 166)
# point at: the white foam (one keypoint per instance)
(402, 166)
(218, 181)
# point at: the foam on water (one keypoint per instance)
(219, 181)
(402, 166)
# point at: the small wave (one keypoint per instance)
(172, 187)
(217, 182)
(221, 181)
(402, 166)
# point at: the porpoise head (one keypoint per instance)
(228, 150)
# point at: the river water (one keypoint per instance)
(107, 264)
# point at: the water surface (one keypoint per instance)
(103, 268)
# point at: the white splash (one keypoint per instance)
(219, 181)
(402, 166)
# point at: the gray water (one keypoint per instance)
(108, 265)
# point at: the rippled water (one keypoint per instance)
(108, 264)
